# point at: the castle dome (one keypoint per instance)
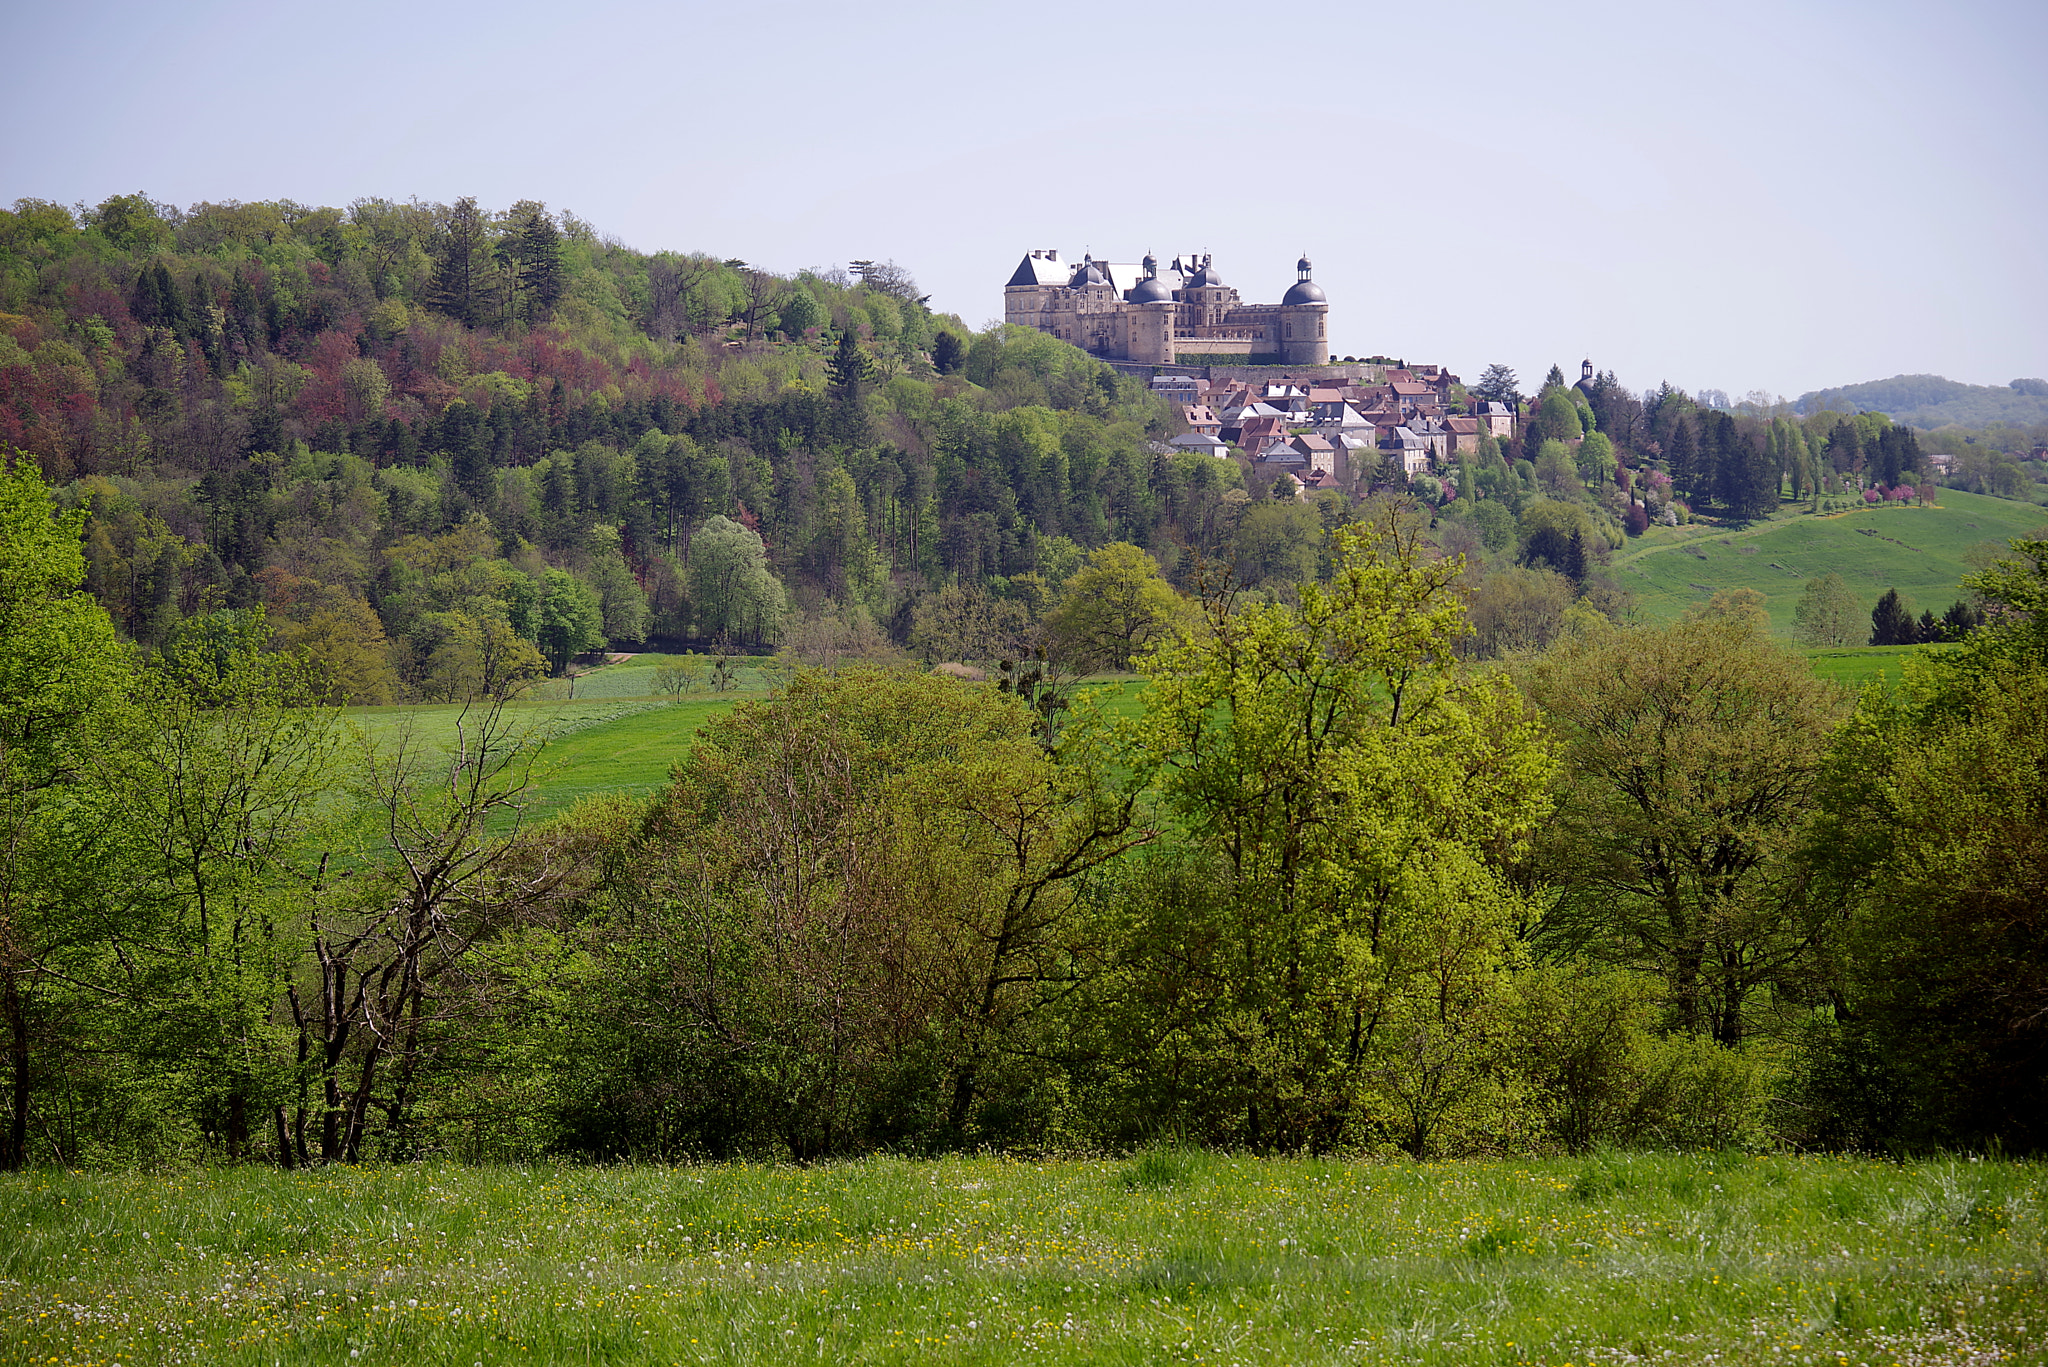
(1151, 290)
(1205, 276)
(1304, 290)
(1089, 274)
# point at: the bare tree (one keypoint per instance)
(763, 289)
(396, 945)
(671, 280)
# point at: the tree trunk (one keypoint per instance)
(14, 1155)
(238, 1124)
(359, 1105)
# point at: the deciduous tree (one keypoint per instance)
(1113, 609)
(62, 678)
(1691, 756)
(1827, 614)
(1337, 962)
(571, 620)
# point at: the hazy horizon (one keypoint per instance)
(1785, 199)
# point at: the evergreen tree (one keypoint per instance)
(949, 354)
(851, 367)
(157, 301)
(1891, 622)
(1497, 385)
(245, 314)
(1683, 454)
(537, 250)
(1890, 459)
(1960, 620)
(1555, 379)
(462, 267)
(1845, 447)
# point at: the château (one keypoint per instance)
(1130, 313)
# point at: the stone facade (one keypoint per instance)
(1129, 313)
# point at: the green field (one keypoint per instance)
(588, 747)
(1918, 551)
(1169, 1257)
(618, 742)
(1856, 666)
(605, 741)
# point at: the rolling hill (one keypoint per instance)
(1919, 551)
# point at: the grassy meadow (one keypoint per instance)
(614, 741)
(1919, 551)
(616, 736)
(1168, 1257)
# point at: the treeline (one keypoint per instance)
(1330, 888)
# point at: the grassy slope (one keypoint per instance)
(1168, 1258)
(1919, 551)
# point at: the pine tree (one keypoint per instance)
(1845, 448)
(1889, 458)
(537, 248)
(1891, 622)
(1960, 620)
(245, 313)
(851, 367)
(1682, 453)
(158, 302)
(1574, 566)
(462, 266)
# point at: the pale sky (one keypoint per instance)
(1740, 195)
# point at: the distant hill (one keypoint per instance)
(1929, 401)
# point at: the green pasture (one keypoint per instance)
(1168, 1257)
(618, 742)
(1856, 666)
(604, 741)
(1918, 551)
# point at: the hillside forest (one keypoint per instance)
(421, 435)
(1411, 837)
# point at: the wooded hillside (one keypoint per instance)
(388, 424)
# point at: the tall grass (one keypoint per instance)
(1173, 1256)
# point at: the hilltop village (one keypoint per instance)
(1251, 380)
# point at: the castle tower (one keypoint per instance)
(1304, 320)
(1151, 318)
